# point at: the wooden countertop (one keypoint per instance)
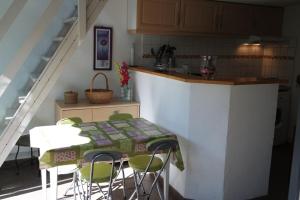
(199, 79)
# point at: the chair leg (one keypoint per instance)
(80, 185)
(31, 156)
(74, 185)
(142, 186)
(16, 161)
(123, 177)
(159, 192)
(136, 191)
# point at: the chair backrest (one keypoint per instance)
(100, 155)
(120, 116)
(69, 121)
(162, 144)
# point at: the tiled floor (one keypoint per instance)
(27, 184)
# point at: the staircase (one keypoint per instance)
(20, 106)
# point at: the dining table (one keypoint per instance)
(62, 145)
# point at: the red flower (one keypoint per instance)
(124, 74)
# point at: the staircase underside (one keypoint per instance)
(44, 81)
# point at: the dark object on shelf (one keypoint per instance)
(70, 97)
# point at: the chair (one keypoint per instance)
(145, 164)
(120, 116)
(100, 168)
(23, 141)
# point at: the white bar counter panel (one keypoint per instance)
(226, 133)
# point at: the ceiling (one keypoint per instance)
(267, 2)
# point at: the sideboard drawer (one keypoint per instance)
(102, 114)
(96, 112)
(84, 114)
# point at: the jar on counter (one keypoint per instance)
(207, 67)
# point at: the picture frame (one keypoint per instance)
(102, 48)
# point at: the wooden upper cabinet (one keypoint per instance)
(267, 20)
(235, 19)
(158, 15)
(194, 17)
(198, 16)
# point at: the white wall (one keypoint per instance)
(159, 97)
(79, 71)
(250, 140)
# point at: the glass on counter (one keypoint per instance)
(207, 67)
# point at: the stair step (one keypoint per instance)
(34, 77)
(10, 115)
(58, 39)
(46, 58)
(71, 19)
(7, 119)
(21, 99)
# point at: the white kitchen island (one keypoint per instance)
(226, 130)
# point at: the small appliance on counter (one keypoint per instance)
(164, 58)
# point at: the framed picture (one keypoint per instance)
(102, 48)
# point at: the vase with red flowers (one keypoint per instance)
(126, 90)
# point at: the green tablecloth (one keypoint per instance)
(127, 136)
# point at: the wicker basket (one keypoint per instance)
(98, 96)
(70, 97)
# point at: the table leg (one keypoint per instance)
(44, 183)
(166, 173)
(53, 183)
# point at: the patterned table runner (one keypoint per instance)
(127, 136)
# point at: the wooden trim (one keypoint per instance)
(20, 57)
(186, 33)
(82, 19)
(93, 11)
(199, 79)
(200, 56)
(11, 14)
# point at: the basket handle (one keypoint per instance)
(93, 80)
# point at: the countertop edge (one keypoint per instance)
(195, 79)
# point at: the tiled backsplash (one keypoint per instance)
(234, 58)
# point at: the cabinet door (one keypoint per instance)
(103, 114)
(198, 16)
(236, 19)
(158, 15)
(267, 20)
(84, 114)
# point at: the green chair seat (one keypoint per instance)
(69, 121)
(102, 172)
(120, 116)
(140, 162)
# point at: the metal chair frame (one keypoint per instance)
(110, 157)
(168, 146)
